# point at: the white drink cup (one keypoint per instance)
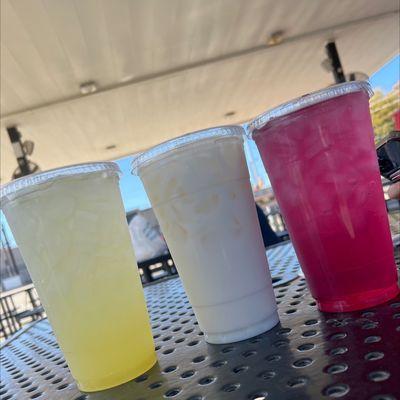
(200, 191)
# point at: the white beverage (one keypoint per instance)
(200, 190)
(71, 228)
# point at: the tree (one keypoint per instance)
(383, 106)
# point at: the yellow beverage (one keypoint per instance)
(72, 233)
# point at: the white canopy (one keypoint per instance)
(164, 68)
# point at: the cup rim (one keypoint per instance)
(307, 100)
(14, 188)
(161, 150)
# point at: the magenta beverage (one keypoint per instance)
(320, 156)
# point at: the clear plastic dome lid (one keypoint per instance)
(307, 101)
(29, 182)
(162, 149)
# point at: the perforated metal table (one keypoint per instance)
(309, 355)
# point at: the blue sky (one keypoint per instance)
(132, 189)
(134, 195)
(387, 76)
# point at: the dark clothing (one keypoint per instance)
(269, 236)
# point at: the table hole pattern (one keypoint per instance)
(307, 355)
(32, 367)
(283, 264)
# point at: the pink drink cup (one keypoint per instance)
(320, 157)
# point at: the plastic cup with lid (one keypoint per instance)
(199, 187)
(70, 226)
(320, 157)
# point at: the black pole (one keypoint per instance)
(10, 253)
(334, 59)
(15, 138)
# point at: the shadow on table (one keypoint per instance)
(127, 390)
(254, 369)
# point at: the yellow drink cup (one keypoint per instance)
(71, 229)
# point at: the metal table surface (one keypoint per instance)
(309, 355)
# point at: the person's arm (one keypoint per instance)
(269, 236)
(394, 191)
